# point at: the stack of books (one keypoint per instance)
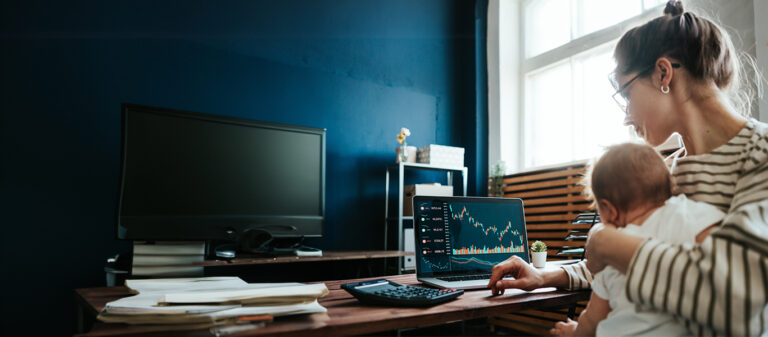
(171, 258)
(210, 302)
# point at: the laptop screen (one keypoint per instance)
(457, 235)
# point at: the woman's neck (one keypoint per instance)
(639, 214)
(708, 122)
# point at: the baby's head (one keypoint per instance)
(628, 177)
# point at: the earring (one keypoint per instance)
(665, 91)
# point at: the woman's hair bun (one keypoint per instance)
(674, 8)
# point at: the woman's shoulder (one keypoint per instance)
(727, 161)
(749, 145)
(756, 145)
(752, 184)
(759, 130)
(756, 126)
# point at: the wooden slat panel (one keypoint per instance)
(533, 319)
(567, 256)
(579, 307)
(534, 330)
(559, 243)
(547, 235)
(544, 193)
(557, 316)
(536, 226)
(543, 184)
(515, 179)
(555, 200)
(552, 253)
(554, 209)
(557, 217)
(544, 322)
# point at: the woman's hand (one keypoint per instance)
(526, 277)
(564, 329)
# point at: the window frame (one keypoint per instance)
(507, 57)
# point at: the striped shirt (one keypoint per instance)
(720, 286)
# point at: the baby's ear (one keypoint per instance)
(608, 212)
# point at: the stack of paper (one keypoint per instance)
(209, 301)
(167, 259)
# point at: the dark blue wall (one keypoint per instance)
(360, 69)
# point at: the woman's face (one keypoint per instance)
(649, 110)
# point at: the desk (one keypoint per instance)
(346, 316)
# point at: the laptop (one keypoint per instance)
(459, 239)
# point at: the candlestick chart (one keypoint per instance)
(475, 237)
(485, 234)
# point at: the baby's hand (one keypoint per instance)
(564, 329)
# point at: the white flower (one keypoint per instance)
(405, 131)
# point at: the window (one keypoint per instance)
(569, 113)
(564, 111)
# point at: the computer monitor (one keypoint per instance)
(194, 176)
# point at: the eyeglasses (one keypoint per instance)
(619, 96)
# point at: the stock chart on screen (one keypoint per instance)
(457, 236)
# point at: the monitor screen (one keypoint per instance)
(456, 235)
(195, 176)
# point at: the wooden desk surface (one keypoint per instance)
(327, 256)
(346, 316)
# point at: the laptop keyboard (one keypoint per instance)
(465, 277)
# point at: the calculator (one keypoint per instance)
(385, 292)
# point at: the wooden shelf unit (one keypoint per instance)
(400, 170)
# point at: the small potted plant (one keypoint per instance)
(539, 254)
(497, 179)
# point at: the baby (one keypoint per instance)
(632, 188)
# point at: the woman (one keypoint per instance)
(675, 74)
